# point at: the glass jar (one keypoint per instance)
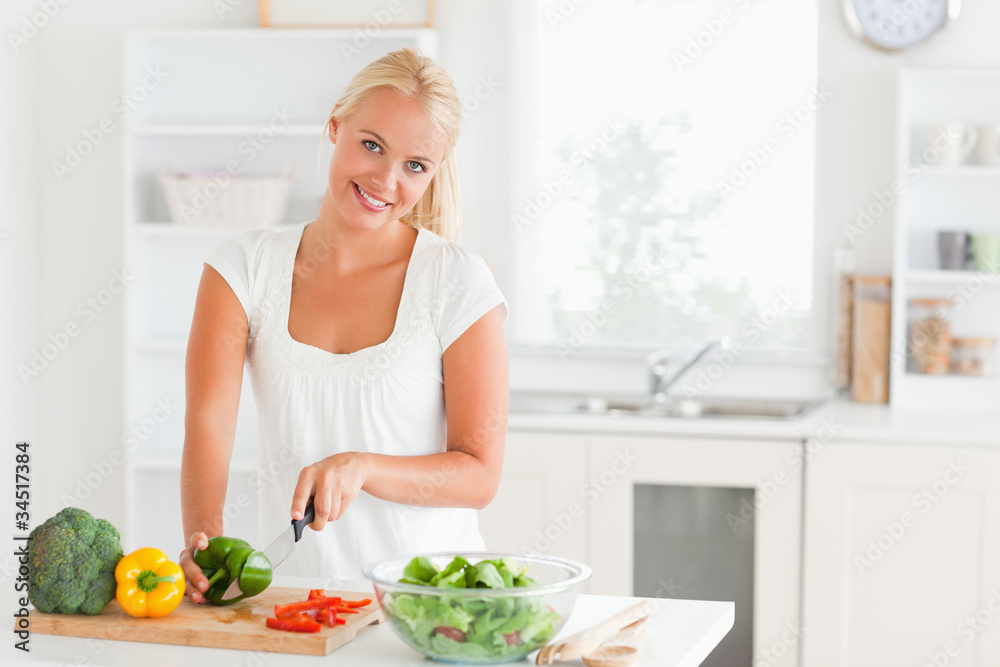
(973, 356)
(929, 325)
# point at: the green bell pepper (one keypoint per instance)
(228, 559)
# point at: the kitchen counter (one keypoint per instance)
(681, 633)
(844, 420)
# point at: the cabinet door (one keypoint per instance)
(901, 556)
(769, 476)
(539, 507)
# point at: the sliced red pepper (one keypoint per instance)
(289, 614)
(304, 624)
(292, 607)
(345, 610)
(306, 617)
(513, 639)
(356, 603)
(318, 608)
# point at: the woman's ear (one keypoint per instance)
(331, 130)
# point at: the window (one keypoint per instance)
(664, 177)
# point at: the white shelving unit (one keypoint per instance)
(939, 277)
(256, 97)
(964, 197)
(231, 130)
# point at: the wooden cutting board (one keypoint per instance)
(237, 626)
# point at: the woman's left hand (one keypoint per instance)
(333, 483)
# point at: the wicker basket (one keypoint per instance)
(215, 198)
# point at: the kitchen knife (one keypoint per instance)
(281, 548)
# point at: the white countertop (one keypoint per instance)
(849, 422)
(680, 634)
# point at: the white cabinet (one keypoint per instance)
(540, 506)
(767, 473)
(249, 102)
(902, 556)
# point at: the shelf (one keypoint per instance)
(160, 345)
(941, 277)
(175, 230)
(958, 393)
(172, 229)
(174, 465)
(292, 130)
(952, 73)
(952, 381)
(966, 171)
(256, 32)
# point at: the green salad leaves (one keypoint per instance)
(471, 628)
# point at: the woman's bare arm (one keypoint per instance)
(214, 376)
(476, 392)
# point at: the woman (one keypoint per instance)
(359, 329)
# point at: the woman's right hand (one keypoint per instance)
(197, 583)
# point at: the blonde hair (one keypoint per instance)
(409, 72)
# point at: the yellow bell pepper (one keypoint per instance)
(148, 583)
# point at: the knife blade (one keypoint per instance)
(281, 548)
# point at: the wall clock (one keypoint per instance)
(893, 25)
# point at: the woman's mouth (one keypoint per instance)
(368, 201)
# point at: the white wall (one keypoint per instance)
(856, 129)
(19, 403)
(77, 78)
(66, 79)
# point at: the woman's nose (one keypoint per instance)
(384, 178)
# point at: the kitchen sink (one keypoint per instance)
(644, 406)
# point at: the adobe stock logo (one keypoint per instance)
(923, 502)
(381, 19)
(74, 154)
(592, 490)
(31, 25)
(580, 158)
(786, 128)
(59, 340)
(712, 30)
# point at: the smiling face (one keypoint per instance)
(387, 151)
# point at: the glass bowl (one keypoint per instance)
(479, 626)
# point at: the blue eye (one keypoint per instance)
(413, 165)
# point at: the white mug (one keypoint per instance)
(951, 143)
(988, 146)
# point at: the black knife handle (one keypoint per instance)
(307, 518)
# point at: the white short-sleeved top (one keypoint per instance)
(387, 398)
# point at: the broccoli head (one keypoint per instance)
(72, 557)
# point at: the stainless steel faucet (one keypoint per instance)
(660, 381)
